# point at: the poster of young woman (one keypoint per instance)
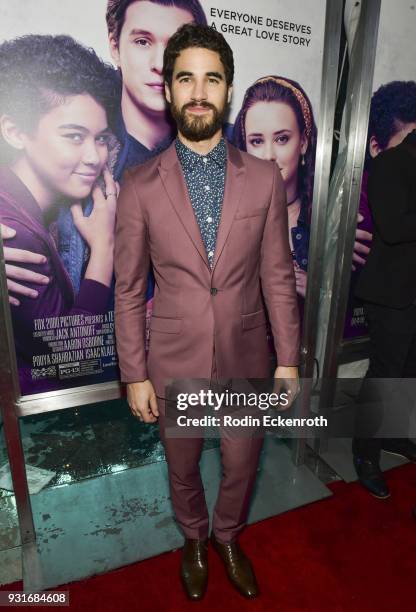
(392, 117)
(276, 100)
(81, 100)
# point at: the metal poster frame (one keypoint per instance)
(359, 92)
(333, 25)
(8, 393)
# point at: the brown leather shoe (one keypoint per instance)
(238, 566)
(194, 568)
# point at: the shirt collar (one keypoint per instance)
(188, 157)
(410, 142)
(411, 137)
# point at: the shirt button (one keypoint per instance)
(210, 253)
(207, 187)
(304, 262)
(209, 219)
(214, 291)
(298, 236)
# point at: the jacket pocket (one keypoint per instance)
(250, 212)
(165, 325)
(254, 319)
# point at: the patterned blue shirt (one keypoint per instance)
(205, 179)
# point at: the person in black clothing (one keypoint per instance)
(387, 285)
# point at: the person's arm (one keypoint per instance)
(388, 193)
(279, 286)
(131, 266)
(278, 277)
(17, 272)
(51, 302)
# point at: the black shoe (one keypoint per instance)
(371, 477)
(401, 447)
(239, 569)
(194, 568)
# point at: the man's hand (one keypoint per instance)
(287, 381)
(301, 280)
(141, 398)
(360, 250)
(14, 273)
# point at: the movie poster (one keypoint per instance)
(392, 117)
(81, 100)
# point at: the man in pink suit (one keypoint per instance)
(213, 221)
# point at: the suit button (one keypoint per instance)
(214, 291)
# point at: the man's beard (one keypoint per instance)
(197, 127)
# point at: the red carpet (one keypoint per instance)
(347, 553)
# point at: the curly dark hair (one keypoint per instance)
(204, 37)
(116, 12)
(281, 89)
(392, 105)
(39, 71)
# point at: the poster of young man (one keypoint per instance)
(97, 107)
(392, 117)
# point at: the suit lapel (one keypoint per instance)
(234, 184)
(172, 177)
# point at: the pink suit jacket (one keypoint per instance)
(196, 308)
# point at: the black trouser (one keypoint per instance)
(385, 403)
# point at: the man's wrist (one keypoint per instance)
(287, 371)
